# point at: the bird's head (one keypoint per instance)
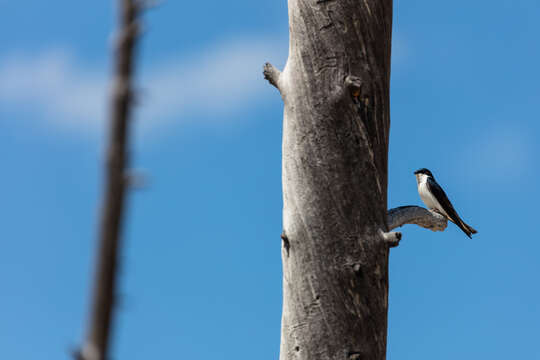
(420, 173)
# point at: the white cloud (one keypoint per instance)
(53, 84)
(215, 81)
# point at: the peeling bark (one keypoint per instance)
(335, 88)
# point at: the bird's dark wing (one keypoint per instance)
(441, 197)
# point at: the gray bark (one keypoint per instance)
(335, 88)
(416, 215)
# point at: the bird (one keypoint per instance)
(435, 199)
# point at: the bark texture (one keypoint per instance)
(98, 334)
(416, 215)
(335, 88)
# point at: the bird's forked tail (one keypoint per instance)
(467, 229)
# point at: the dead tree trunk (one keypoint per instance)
(335, 88)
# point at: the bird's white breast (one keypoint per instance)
(427, 197)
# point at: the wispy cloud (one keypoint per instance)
(215, 81)
(53, 84)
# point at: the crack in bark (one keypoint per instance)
(286, 243)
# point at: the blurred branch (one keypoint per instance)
(98, 334)
(416, 215)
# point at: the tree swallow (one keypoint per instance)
(435, 199)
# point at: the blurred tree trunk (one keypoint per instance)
(100, 323)
(335, 88)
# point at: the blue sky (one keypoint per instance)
(201, 274)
